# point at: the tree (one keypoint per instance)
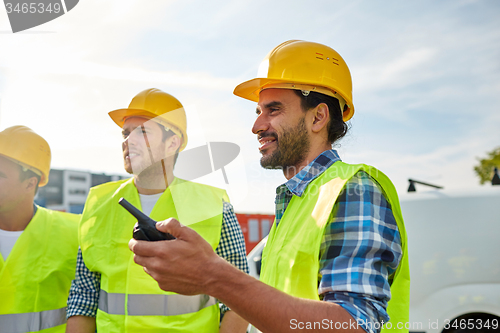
(486, 165)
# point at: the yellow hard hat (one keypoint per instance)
(23, 146)
(302, 65)
(161, 107)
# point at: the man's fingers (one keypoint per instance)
(171, 226)
(139, 260)
(148, 249)
(143, 255)
(142, 248)
(178, 230)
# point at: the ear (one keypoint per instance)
(31, 184)
(173, 144)
(321, 116)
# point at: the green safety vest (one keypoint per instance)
(290, 260)
(36, 277)
(130, 300)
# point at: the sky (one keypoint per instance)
(426, 81)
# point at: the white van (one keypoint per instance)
(454, 255)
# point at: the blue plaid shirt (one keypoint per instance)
(361, 248)
(84, 293)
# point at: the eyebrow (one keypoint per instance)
(269, 105)
(272, 104)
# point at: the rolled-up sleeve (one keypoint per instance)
(83, 297)
(232, 243)
(360, 251)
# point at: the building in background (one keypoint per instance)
(67, 190)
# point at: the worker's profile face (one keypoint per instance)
(281, 129)
(143, 144)
(11, 187)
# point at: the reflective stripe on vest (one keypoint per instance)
(153, 305)
(32, 321)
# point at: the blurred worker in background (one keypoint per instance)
(110, 290)
(38, 247)
(336, 254)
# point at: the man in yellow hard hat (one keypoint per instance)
(38, 247)
(336, 256)
(110, 291)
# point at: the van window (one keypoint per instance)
(253, 230)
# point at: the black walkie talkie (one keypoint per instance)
(145, 228)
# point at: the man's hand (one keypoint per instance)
(180, 265)
(188, 265)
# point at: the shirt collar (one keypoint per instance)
(298, 183)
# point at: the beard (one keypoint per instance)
(138, 166)
(147, 170)
(153, 176)
(292, 147)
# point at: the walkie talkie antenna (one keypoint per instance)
(145, 228)
(140, 216)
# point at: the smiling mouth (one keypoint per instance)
(266, 142)
(131, 155)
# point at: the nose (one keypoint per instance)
(261, 124)
(130, 139)
(134, 137)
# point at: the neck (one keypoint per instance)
(18, 218)
(289, 172)
(155, 179)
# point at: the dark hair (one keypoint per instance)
(337, 128)
(26, 174)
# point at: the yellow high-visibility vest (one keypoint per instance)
(130, 300)
(290, 260)
(36, 277)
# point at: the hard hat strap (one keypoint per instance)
(26, 167)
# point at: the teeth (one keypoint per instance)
(132, 155)
(264, 141)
